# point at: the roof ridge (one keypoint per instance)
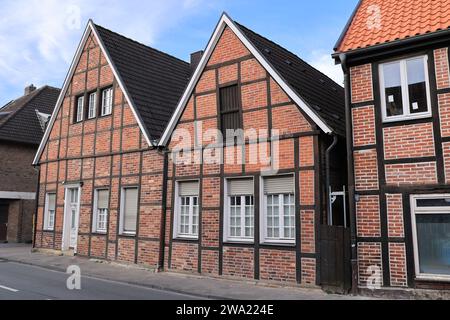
(283, 48)
(141, 44)
(31, 96)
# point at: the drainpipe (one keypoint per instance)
(38, 170)
(162, 236)
(328, 176)
(351, 175)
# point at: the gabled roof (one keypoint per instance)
(324, 95)
(19, 121)
(151, 81)
(316, 95)
(154, 80)
(381, 21)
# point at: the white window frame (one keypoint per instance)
(96, 214)
(422, 211)
(106, 110)
(264, 239)
(80, 109)
(92, 107)
(177, 216)
(47, 225)
(122, 213)
(405, 92)
(227, 215)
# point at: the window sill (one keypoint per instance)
(286, 243)
(186, 238)
(128, 234)
(433, 278)
(99, 233)
(410, 118)
(239, 241)
(48, 230)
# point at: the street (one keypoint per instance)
(24, 282)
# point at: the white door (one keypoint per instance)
(73, 214)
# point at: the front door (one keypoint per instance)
(3, 221)
(71, 220)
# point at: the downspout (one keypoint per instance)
(38, 190)
(351, 175)
(162, 235)
(328, 176)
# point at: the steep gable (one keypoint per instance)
(150, 81)
(239, 43)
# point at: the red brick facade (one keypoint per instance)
(392, 161)
(105, 152)
(264, 106)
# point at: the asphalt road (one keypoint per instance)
(24, 282)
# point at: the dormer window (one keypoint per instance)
(405, 89)
(107, 97)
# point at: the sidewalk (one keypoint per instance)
(203, 287)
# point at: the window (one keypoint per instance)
(187, 215)
(129, 210)
(431, 233)
(50, 209)
(278, 210)
(230, 111)
(80, 107)
(405, 89)
(92, 105)
(101, 205)
(107, 96)
(239, 211)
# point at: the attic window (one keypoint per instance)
(321, 81)
(288, 62)
(317, 108)
(266, 50)
(43, 119)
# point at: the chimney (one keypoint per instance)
(195, 59)
(29, 89)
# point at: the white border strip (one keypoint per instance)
(226, 21)
(17, 195)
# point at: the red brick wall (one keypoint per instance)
(402, 142)
(442, 68)
(264, 105)
(361, 83)
(93, 152)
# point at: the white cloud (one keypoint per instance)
(38, 38)
(323, 62)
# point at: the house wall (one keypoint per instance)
(391, 162)
(18, 175)
(264, 106)
(108, 152)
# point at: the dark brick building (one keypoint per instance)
(22, 125)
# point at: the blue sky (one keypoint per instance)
(38, 38)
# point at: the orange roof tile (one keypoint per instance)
(381, 21)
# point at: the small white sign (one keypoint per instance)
(391, 99)
(415, 106)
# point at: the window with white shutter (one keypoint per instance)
(129, 210)
(239, 210)
(187, 211)
(101, 206)
(278, 214)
